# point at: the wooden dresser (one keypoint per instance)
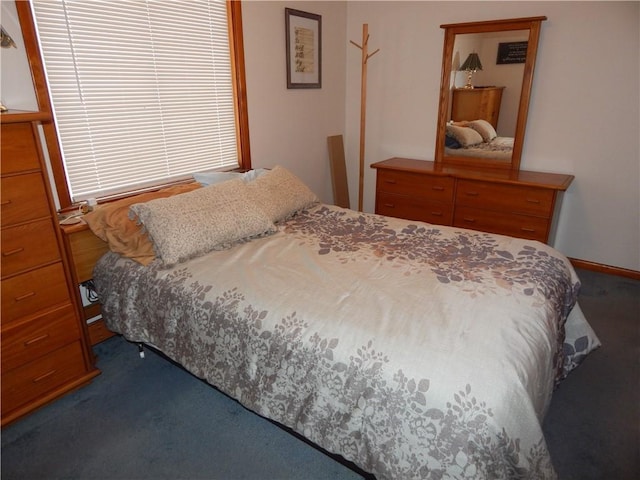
(44, 345)
(481, 103)
(517, 203)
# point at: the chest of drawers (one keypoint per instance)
(44, 352)
(520, 204)
(476, 103)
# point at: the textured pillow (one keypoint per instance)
(198, 222)
(466, 136)
(484, 128)
(280, 193)
(111, 223)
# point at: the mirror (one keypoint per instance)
(487, 70)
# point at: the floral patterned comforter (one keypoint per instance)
(413, 350)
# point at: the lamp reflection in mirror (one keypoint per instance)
(471, 65)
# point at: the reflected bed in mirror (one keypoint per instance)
(477, 139)
(487, 70)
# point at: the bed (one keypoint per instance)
(477, 139)
(410, 349)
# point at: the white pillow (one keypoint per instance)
(280, 193)
(465, 136)
(253, 174)
(484, 128)
(194, 223)
(211, 178)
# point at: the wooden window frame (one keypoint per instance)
(234, 20)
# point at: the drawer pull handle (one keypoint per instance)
(44, 376)
(527, 229)
(5, 202)
(436, 214)
(389, 205)
(437, 188)
(472, 194)
(12, 252)
(392, 182)
(28, 343)
(469, 220)
(533, 200)
(25, 296)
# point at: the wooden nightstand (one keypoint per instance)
(84, 249)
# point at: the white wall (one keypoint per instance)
(15, 76)
(290, 126)
(584, 116)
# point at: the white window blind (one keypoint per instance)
(141, 89)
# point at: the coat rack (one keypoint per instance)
(363, 104)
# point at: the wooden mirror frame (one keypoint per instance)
(532, 24)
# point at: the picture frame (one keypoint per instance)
(303, 33)
(512, 52)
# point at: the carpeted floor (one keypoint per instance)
(593, 425)
(149, 419)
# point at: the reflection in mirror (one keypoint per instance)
(486, 80)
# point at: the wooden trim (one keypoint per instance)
(598, 267)
(493, 23)
(525, 93)
(38, 77)
(16, 116)
(236, 43)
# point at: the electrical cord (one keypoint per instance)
(92, 294)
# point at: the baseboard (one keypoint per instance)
(598, 267)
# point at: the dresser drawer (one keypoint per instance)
(23, 198)
(27, 246)
(18, 149)
(413, 208)
(40, 377)
(522, 226)
(505, 198)
(30, 292)
(27, 341)
(436, 188)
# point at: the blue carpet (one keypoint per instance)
(149, 419)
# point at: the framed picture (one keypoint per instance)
(512, 52)
(304, 49)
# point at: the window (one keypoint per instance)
(143, 92)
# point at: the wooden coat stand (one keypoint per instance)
(363, 104)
